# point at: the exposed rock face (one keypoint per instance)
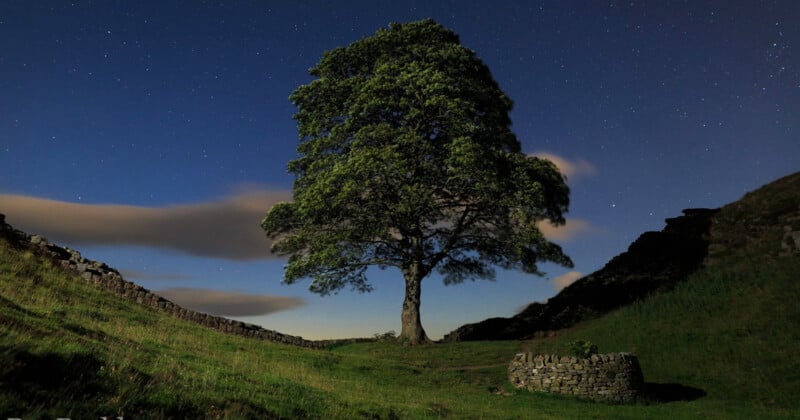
(790, 243)
(110, 279)
(655, 261)
(765, 221)
(612, 377)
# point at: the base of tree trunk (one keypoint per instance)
(412, 332)
(414, 339)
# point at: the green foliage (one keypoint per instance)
(584, 349)
(407, 160)
(387, 336)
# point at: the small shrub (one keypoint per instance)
(583, 349)
(387, 336)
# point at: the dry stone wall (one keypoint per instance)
(110, 279)
(612, 377)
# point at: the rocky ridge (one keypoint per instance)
(655, 261)
(767, 219)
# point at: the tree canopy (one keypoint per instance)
(407, 160)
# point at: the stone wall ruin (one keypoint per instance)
(614, 377)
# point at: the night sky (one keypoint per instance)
(154, 135)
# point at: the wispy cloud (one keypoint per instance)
(566, 279)
(216, 302)
(571, 229)
(573, 169)
(227, 228)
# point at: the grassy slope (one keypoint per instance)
(68, 349)
(732, 329)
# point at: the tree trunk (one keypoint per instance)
(412, 332)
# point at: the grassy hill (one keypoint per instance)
(723, 344)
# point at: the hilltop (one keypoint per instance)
(720, 343)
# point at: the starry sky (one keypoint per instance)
(154, 135)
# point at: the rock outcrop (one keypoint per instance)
(655, 261)
(767, 219)
(110, 279)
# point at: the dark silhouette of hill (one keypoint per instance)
(656, 261)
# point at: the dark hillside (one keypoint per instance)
(657, 261)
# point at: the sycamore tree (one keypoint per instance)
(407, 160)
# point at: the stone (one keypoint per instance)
(539, 361)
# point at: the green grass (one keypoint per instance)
(70, 349)
(731, 332)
